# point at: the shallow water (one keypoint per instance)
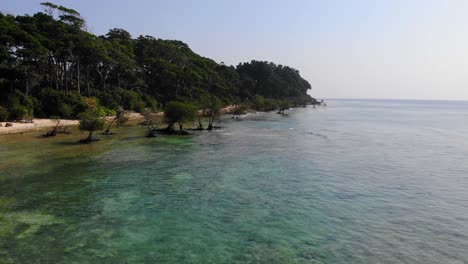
(357, 182)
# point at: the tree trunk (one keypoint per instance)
(78, 77)
(87, 80)
(90, 136)
(27, 85)
(101, 76)
(210, 122)
(56, 77)
(200, 125)
(53, 132)
(109, 126)
(66, 76)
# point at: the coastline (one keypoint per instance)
(37, 125)
(40, 124)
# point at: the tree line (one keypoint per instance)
(50, 65)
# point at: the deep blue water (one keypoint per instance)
(361, 181)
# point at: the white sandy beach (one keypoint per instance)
(38, 124)
(42, 123)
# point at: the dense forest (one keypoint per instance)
(50, 65)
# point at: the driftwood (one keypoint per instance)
(63, 130)
(58, 129)
(107, 131)
(121, 118)
(53, 132)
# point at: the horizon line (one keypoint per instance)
(393, 99)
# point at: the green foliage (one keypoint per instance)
(151, 120)
(122, 116)
(179, 112)
(264, 104)
(51, 66)
(20, 106)
(258, 102)
(151, 103)
(215, 105)
(210, 104)
(132, 100)
(19, 112)
(4, 114)
(272, 81)
(284, 105)
(108, 112)
(65, 105)
(65, 110)
(91, 121)
(240, 109)
(268, 104)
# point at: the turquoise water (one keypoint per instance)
(357, 182)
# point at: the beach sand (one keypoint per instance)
(41, 124)
(38, 124)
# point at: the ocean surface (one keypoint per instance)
(361, 181)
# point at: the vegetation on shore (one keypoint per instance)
(50, 65)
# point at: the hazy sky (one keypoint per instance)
(413, 49)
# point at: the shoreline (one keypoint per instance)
(41, 124)
(37, 125)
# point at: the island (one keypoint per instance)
(51, 66)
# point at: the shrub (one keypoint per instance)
(179, 112)
(284, 105)
(132, 100)
(19, 112)
(264, 104)
(270, 104)
(4, 114)
(61, 104)
(151, 103)
(65, 110)
(240, 109)
(104, 111)
(90, 121)
(38, 108)
(258, 102)
(21, 106)
(110, 99)
(91, 103)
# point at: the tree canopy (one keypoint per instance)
(90, 121)
(49, 65)
(179, 112)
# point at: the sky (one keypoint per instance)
(380, 49)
